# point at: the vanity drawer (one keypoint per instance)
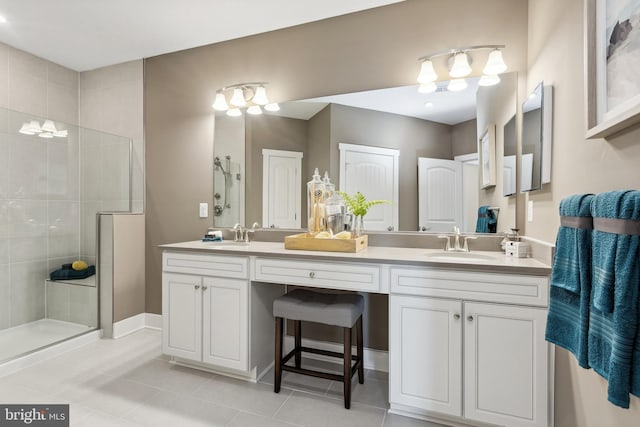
(236, 267)
(478, 286)
(333, 275)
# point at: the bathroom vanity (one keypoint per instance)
(466, 331)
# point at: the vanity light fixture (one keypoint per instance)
(252, 95)
(459, 65)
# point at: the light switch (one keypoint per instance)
(530, 210)
(204, 210)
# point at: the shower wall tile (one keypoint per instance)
(4, 166)
(63, 157)
(27, 167)
(5, 297)
(28, 83)
(114, 170)
(58, 304)
(90, 166)
(64, 228)
(83, 305)
(27, 291)
(88, 212)
(4, 75)
(4, 219)
(4, 250)
(27, 218)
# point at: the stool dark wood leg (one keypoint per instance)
(277, 362)
(347, 368)
(298, 341)
(360, 353)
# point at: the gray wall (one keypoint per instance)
(464, 138)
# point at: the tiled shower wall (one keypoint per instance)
(38, 216)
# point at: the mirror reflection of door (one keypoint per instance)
(281, 188)
(373, 172)
(440, 194)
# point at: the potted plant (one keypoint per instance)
(358, 205)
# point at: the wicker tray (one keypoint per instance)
(306, 242)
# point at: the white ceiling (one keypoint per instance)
(88, 34)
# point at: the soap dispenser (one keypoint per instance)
(315, 204)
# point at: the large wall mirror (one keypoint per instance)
(439, 126)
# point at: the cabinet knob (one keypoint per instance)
(470, 318)
(456, 316)
(197, 287)
(204, 288)
(312, 274)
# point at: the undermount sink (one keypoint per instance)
(459, 256)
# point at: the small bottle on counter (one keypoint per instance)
(316, 204)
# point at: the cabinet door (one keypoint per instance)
(506, 365)
(226, 331)
(182, 316)
(425, 353)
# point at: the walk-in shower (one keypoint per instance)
(54, 178)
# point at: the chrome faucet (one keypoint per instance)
(456, 241)
(251, 230)
(239, 233)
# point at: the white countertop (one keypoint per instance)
(476, 260)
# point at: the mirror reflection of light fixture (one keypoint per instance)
(251, 95)
(429, 87)
(459, 65)
(46, 130)
(456, 85)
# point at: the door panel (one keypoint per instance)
(182, 316)
(282, 188)
(439, 194)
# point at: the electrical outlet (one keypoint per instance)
(204, 210)
(530, 211)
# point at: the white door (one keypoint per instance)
(506, 362)
(182, 316)
(225, 325)
(439, 194)
(281, 188)
(425, 353)
(373, 172)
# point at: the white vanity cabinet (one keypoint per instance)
(455, 352)
(205, 305)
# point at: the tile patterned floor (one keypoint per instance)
(128, 382)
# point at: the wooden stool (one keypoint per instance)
(344, 310)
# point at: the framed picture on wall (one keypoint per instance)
(612, 59)
(487, 157)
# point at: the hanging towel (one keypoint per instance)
(487, 222)
(570, 292)
(613, 323)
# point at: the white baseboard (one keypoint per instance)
(135, 323)
(376, 360)
(48, 352)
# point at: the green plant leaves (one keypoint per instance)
(358, 204)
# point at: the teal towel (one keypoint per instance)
(613, 323)
(568, 316)
(487, 221)
(70, 274)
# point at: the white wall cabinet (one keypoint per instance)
(475, 361)
(206, 319)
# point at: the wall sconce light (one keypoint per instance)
(459, 65)
(46, 130)
(251, 95)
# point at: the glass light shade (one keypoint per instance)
(238, 98)
(272, 107)
(489, 80)
(427, 73)
(34, 126)
(220, 104)
(460, 67)
(429, 87)
(255, 110)
(495, 64)
(456, 85)
(234, 112)
(25, 129)
(45, 135)
(49, 126)
(260, 96)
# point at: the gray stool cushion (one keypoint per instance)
(331, 309)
